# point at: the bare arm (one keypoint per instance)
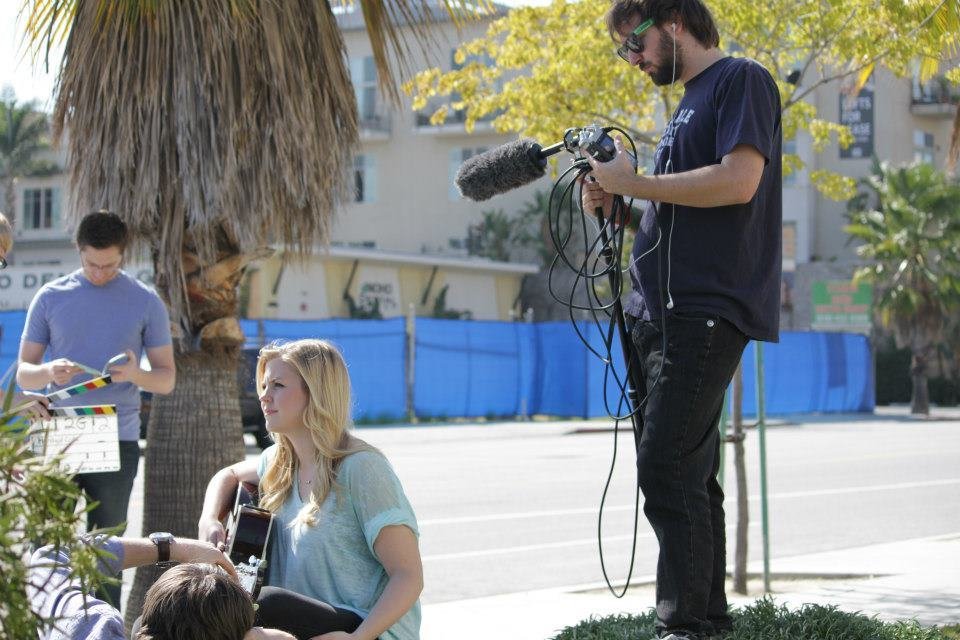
(396, 547)
(33, 373)
(138, 552)
(219, 497)
(161, 377)
(733, 181)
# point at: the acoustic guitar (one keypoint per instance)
(248, 538)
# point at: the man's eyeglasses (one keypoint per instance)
(633, 42)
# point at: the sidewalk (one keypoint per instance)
(914, 579)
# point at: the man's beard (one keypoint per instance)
(670, 66)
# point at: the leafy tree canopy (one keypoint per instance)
(540, 70)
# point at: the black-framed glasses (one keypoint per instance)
(633, 42)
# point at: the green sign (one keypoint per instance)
(840, 305)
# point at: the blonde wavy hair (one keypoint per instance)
(6, 234)
(324, 376)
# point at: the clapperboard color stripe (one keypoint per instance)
(78, 389)
(93, 410)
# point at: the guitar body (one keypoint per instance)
(248, 538)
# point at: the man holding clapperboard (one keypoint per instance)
(80, 322)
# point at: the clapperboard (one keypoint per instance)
(85, 438)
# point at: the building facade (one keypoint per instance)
(408, 241)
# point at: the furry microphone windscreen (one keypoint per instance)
(501, 169)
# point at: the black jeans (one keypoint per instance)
(300, 615)
(112, 490)
(678, 457)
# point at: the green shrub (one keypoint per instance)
(766, 620)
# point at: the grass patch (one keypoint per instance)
(766, 620)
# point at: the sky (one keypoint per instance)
(31, 82)
(15, 67)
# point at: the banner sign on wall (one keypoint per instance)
(840, 305)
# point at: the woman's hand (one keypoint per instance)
(211, 530)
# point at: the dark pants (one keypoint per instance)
(112, 491)
(678, 457)
(300, 615)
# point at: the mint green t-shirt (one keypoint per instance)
(334, 560)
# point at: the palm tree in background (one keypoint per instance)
(215, 129)
(911, 242)
(24, 134)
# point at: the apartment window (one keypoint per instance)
(923, 147)
(41, 209)
(364, 179)
(363, 74)
(458, 157)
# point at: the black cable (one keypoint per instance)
(565, 214)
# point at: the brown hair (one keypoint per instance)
(692, 14)
(196, 602)
(102, 230)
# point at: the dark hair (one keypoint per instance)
(692, 14)
(196, 602)
(102, 230)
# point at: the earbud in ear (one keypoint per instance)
(674, 27)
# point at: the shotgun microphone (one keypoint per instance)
(504, 168)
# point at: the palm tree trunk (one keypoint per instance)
(196, 430)
(920, 398)
(739, 463)
(193, 432)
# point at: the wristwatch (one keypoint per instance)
(163, 540)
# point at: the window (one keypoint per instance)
(923, 147)
(41, 209)
(364, 179)
(458, 157)
(363, 74)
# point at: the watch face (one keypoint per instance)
(161, 536)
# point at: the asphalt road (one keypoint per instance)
(513, 507)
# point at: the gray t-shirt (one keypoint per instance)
(90, 324)
(334, 560)
(53, 595)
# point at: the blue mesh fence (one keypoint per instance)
(472, 368)
(374, 350)
(11, 327)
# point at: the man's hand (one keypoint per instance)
(186, 550)
(259, 633)
(618, 175)
(61, 371)
(127, 371)
(36, 405)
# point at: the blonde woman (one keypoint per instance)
(345, 561)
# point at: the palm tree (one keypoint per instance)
(911, 240)
(23, 134)
(214, 128)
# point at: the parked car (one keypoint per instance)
(250, 413)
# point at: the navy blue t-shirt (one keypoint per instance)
(718, 260)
